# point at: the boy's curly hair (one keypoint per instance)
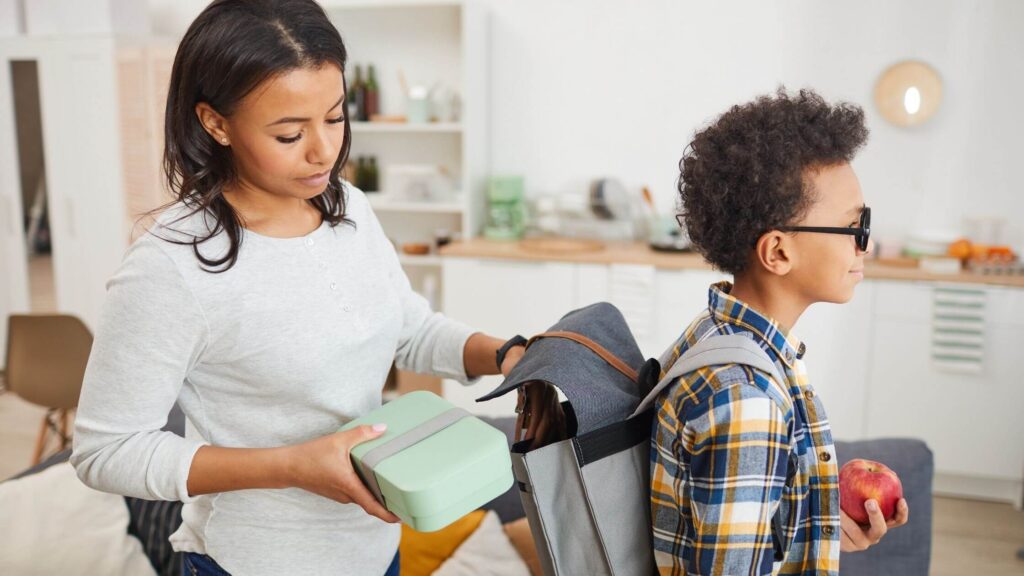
(744, 175)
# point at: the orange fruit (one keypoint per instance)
(961, 249)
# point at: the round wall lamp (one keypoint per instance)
(908, 93)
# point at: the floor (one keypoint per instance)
(40, 277)
(969, 538)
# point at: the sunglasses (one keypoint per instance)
(861, 233)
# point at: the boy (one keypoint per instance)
(744, 477)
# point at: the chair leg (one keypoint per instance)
(65, 438)
(41, 440)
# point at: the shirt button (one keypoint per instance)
(334, 285)
(309, 241)
(825, 456)
(789, 356)
(809, 394)
(347, 308)
(828, 530)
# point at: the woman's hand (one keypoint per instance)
(546, 419)
(512, 357)
(855, 537)
(323, 466)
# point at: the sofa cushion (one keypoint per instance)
(905, 551)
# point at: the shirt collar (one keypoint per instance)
(731, 310)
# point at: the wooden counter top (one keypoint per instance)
(639, 253)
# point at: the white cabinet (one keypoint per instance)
(972, 421)
(871, 360)
(503, 298)
(838, 344)
(680, 295)
(507, 297)
(78, 97)
(13, 270)
(83, 171)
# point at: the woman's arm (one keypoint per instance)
(150, 332)
(321, 466)
(480, 354)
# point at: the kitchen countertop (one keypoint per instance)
(640, 253)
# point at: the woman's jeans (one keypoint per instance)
(203, 565)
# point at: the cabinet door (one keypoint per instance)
(13, 270)
(503, 298)
(680, 296)
(971, 421)
(78, 98)
(838, 341)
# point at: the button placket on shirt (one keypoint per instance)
(332, 282)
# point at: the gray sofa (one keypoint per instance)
(904, 552)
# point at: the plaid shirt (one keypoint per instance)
(743, 469)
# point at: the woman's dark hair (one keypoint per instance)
(230, 49)
(745, 174)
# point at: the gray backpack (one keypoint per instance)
(587, 498)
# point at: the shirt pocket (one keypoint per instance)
(787, 518)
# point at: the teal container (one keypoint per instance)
(506, 216)
(438, 475)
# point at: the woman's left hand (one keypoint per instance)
(856, 538)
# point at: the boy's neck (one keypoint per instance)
(769, 298)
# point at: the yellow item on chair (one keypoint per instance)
(420, 553)
(46, 358)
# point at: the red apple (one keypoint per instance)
(862, 480)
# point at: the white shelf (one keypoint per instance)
(381, 203)
(427, 260)
(406, 128)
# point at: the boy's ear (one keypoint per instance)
(775, 252)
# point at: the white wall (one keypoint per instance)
(582, 88)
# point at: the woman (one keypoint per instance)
(269, 304)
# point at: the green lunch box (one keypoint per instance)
(435, 464)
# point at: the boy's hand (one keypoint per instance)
(855, 537)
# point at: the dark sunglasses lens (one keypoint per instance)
(865, 224)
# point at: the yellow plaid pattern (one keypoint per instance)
(743, 469)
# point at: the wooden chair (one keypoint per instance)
(46, 358)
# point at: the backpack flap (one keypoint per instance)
(591, 356)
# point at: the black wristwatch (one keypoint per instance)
(516, 340)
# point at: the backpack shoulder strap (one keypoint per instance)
(713, 351)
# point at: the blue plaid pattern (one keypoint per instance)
(744, 477)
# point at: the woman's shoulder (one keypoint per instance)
(357, 205)
(171, 235)
(185, 222)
